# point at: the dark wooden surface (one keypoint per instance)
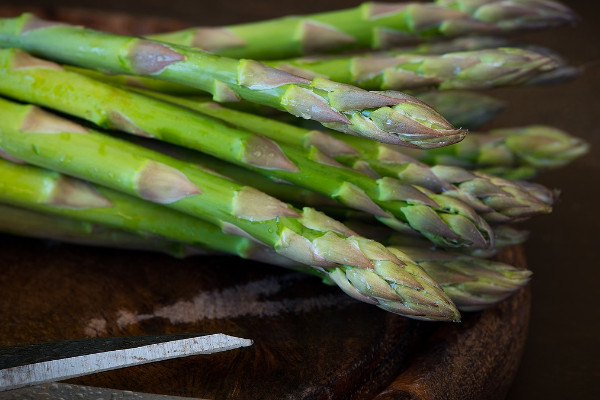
(311, 341)
(561, 356)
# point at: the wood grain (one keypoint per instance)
(311, 341)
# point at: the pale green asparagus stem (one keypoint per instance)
(481, 69)
(513, 153)
(372, 25)
(28, 223)
(444, 220)
(391, 117)
(393, 283)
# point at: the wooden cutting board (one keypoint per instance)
(310, 340)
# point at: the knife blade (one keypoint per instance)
(53, 361)
(63, 391)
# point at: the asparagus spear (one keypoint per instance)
(461, 108)
(73, 149)
(28, 223)
(442, 219)
(479, 69)
(513, 153)
(392, 117)
(466, 109)
(497, 200)
(372, 25)
(472, 283)
(504, 235)
(49, 192)
(395, 284)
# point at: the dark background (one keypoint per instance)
(562, 355)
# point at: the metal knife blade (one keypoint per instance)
(48, 362)
(63, 391)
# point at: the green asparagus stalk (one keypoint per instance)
(28, 223)
(505, 235)
(282, 190)
(466, 43)
(496, 199)
(372, 25)
(512, 153)
(395, 284)
(363, 223)
(466, 109)
(481, 69)
(30, 134)
(472, 283)
(393, 117)
(442, 219)
(51, 193)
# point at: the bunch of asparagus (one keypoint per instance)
(370, 199)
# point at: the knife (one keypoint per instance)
(63, 391)
(53, 361)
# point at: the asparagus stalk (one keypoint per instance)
(466, 109)
(28, 223)
(282, 190)
(73, 149)
(397, 285)
(442, 219)
(472, 283)
(505, 235)
(372, 25)
(466, 43)
(513, 153)
(479, 69)
(392, 117)
(51, 193)
(461, 108)
(497, 200)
